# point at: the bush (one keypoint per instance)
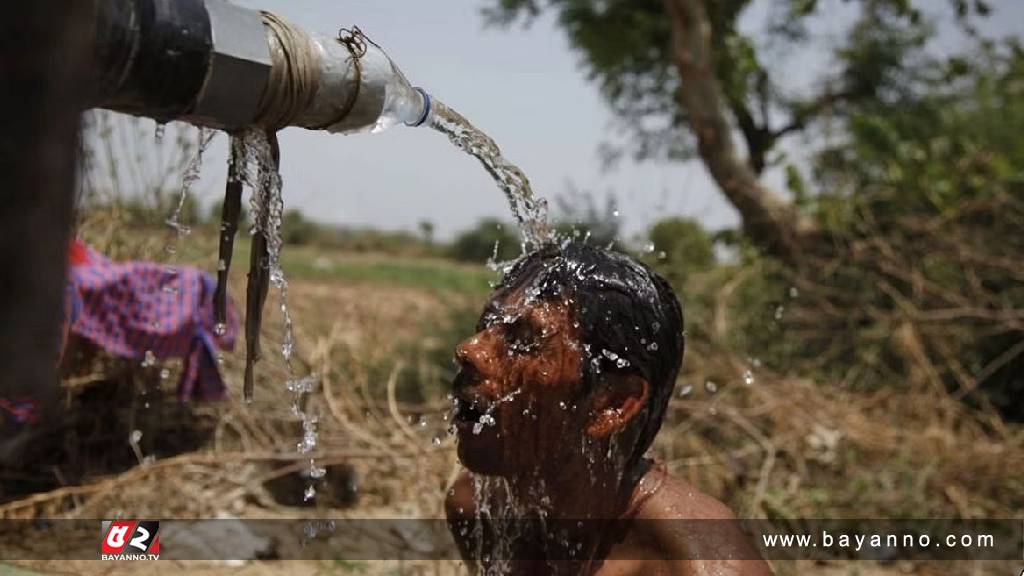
(490, 238)
(680, 248)
(296, 230)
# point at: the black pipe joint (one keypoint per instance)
(152, 56)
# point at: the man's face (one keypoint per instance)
(518, 386)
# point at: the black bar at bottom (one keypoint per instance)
(430, 539)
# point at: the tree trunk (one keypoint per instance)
(768, 220)
(44, 58)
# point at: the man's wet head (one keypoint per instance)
(573, 361)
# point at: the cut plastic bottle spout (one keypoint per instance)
(403, 103)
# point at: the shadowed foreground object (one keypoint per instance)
(44, 64)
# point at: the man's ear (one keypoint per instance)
(619, 399)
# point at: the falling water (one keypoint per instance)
(531, 212)
(496, 506)
(259, 171)
(192, 173)
(169, 284)
(267, 207)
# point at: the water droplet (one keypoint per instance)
(711, 387)
(649, 247)
(302, 385)
(793, 292)
(148, 359)
(135, 436)
(748, 377)
(308, 494)
(221, 265)
(652, 347)
(220, 328)
(155, 325)
(165, 374)
(316, 471)
(685, 391)
(778, 312)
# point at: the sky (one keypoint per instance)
(522, 86)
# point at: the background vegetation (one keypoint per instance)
(854, 349)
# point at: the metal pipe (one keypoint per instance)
(215, 64)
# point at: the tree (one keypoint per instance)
(680, 247)
(685, 78)
(900, 252)
(427, 232)
(927, 195)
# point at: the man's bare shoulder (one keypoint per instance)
(675, 498)
(712, 544)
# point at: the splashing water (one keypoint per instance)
(497, 508)
(192, 172)
(267, 206)
(191, 175)
(168, 281)
(529, 211)
(259, 171)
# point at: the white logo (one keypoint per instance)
(116, 536)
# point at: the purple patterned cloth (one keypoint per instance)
(132, 308)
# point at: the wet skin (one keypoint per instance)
(550, 440)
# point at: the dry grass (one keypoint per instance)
(781, 447)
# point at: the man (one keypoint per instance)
(560, 394)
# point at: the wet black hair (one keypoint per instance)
(628, 317)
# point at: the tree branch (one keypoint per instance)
(811, 110)
(757, 137)
(768, 220)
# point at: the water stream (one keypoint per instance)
(258, 169)
(255, 164)
(530, 212)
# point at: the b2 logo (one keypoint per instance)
(130, 540)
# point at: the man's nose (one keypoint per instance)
(478, 351)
